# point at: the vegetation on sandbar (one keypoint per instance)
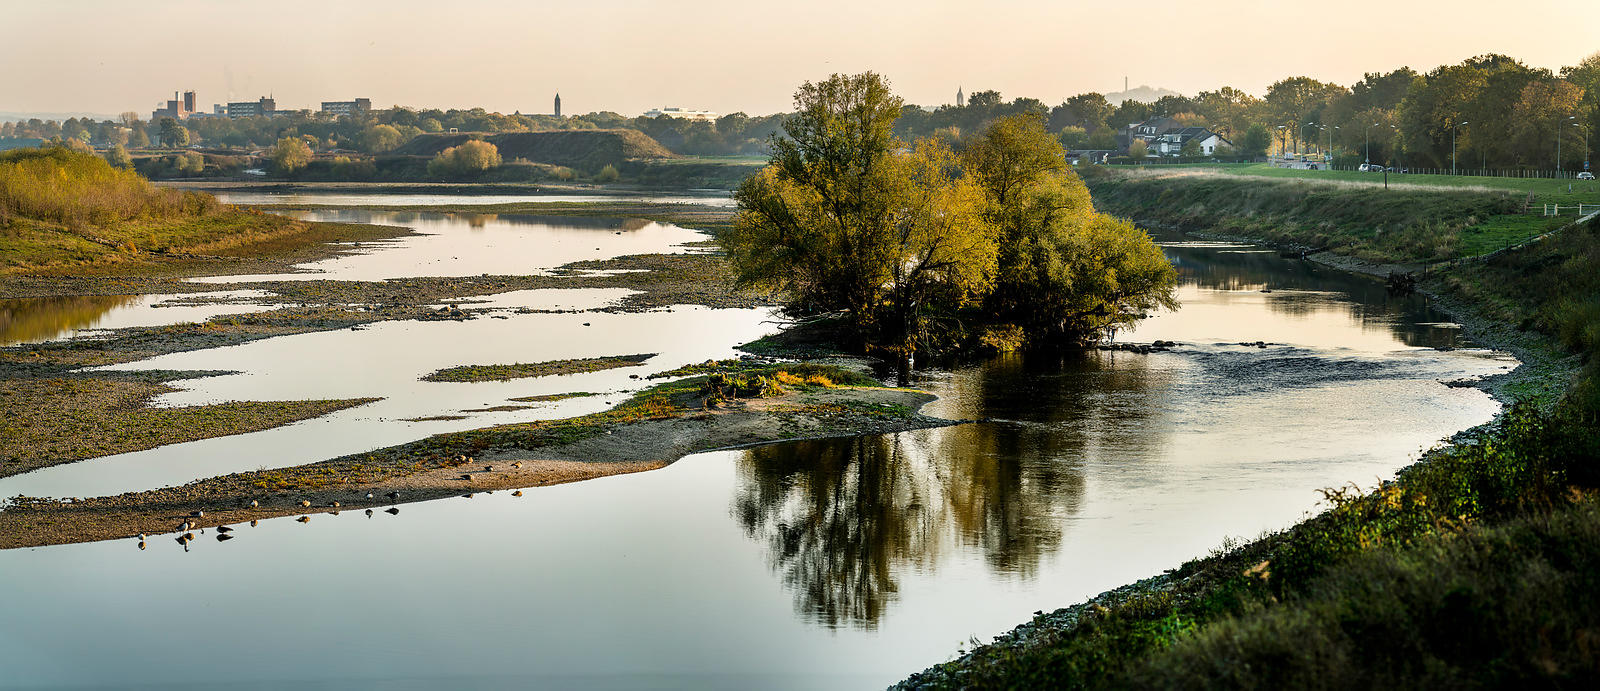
(469, 373)
(545, 398)
(49, 421)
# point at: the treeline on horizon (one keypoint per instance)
(1498, 113)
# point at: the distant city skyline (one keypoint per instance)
(630, 56)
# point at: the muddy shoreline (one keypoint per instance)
(440, 467)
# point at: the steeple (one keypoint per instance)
(961, 98)
(558, 104)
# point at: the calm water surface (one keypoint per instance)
(707, 198)
(817, 564)
(38, 320)
(467, 244)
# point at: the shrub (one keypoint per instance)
(289, 155)
(190, 163)
(607, 174)
(77, 189)
(470, 158)
(118, 156)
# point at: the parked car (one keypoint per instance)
(1586, 175)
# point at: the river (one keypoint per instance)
(816, 564)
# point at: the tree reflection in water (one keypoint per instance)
(26, 320)
(842, 519)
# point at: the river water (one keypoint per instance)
(815, 564)
(706, 198)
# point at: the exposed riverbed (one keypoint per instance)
(843, 563)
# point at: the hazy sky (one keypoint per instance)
(631, 55)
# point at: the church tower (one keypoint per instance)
(558, 104)
(961, 98)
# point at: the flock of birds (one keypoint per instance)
(186, 529)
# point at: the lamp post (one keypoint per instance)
(1453, 129)
(1586, 143)
(1369, 143)
(1558, 145)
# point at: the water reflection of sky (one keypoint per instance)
(465, 244)
(824, 564)
(710, 198)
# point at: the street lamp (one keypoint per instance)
(1328, 152)
(1585, 143)
(1453, 129)
(1558, 145)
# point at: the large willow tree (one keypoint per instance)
(842, 220)
(922, 249)
(1065, 272)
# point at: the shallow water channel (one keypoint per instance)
(817, 564)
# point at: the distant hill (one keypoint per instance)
(587, 150)
(1142, 93)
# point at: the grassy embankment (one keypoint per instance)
(1422, 218)
(66, 212)
(1474, 567)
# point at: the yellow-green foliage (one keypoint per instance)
(469, 158)
(917, 245)
(76, 190)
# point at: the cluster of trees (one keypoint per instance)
(1498, 112)
(1502, 113)
(932, 246)
(382, 131)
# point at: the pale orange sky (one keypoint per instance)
(631, 55)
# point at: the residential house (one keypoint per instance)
(1172, 142)
(1167, 137)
